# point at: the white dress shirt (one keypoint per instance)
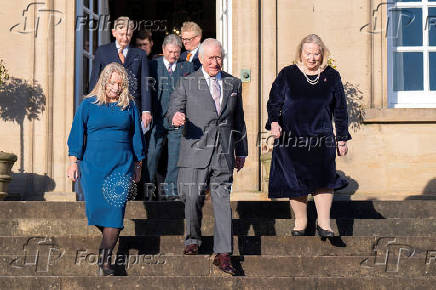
(167, 64)
(193, 52)
(125, 50)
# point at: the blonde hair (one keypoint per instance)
(313, 38)
(99, 91)
(123, 21)
(191, 26)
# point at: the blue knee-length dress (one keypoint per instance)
(107, 140)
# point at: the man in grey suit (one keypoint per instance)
(166, 71)
(209, 105)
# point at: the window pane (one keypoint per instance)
(86, 35)
(406, 26)
(95, 2)
(85, 74)
(94, 41)
(408, 0)
(431, 26)
(432, 59)
(408, 71)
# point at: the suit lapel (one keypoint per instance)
(227, 89)
(115, 53)
(129, 56)
(161, 72)
(203, 90)
(179, 70)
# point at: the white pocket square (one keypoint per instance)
(233, 94)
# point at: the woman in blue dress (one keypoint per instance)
(303, 99)
(106, 137)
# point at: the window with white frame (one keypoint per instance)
(412, 53)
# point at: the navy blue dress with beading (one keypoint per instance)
(108, 140)
(303, 159)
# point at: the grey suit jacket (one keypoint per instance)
(204, 128)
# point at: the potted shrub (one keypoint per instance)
(7, 160)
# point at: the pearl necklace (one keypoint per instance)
(312, 82)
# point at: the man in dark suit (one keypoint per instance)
(209, 104)
(134, 61)
(144, 41)
(191, 37)
(166, 72)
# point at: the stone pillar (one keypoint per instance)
(39, 55)
(245, 48)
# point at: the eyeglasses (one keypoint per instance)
(188, 39)
(216, 58)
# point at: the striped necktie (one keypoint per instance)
(121, 55)
(216, 93)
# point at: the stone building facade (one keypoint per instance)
(390, 83)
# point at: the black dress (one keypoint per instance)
(303, 158)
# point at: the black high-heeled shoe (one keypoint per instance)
(324, 233)
(298, 233)
(105, 255)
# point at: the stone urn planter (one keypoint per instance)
(265, 159)
(7, 160)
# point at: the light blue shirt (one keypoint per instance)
(125, 50)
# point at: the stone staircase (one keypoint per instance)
(382, 245)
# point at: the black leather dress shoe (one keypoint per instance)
(173, 198)
(105, 271)
(298, 233)
(104, 263)
(324, 233)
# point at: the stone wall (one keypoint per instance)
(38, 99)
(392, 153)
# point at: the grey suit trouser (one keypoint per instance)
(193, 182)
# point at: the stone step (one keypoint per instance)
(245, 227)
(241, 209)
(197, 282)
(265, 246)
(398, 264)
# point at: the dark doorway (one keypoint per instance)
(163, 17)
